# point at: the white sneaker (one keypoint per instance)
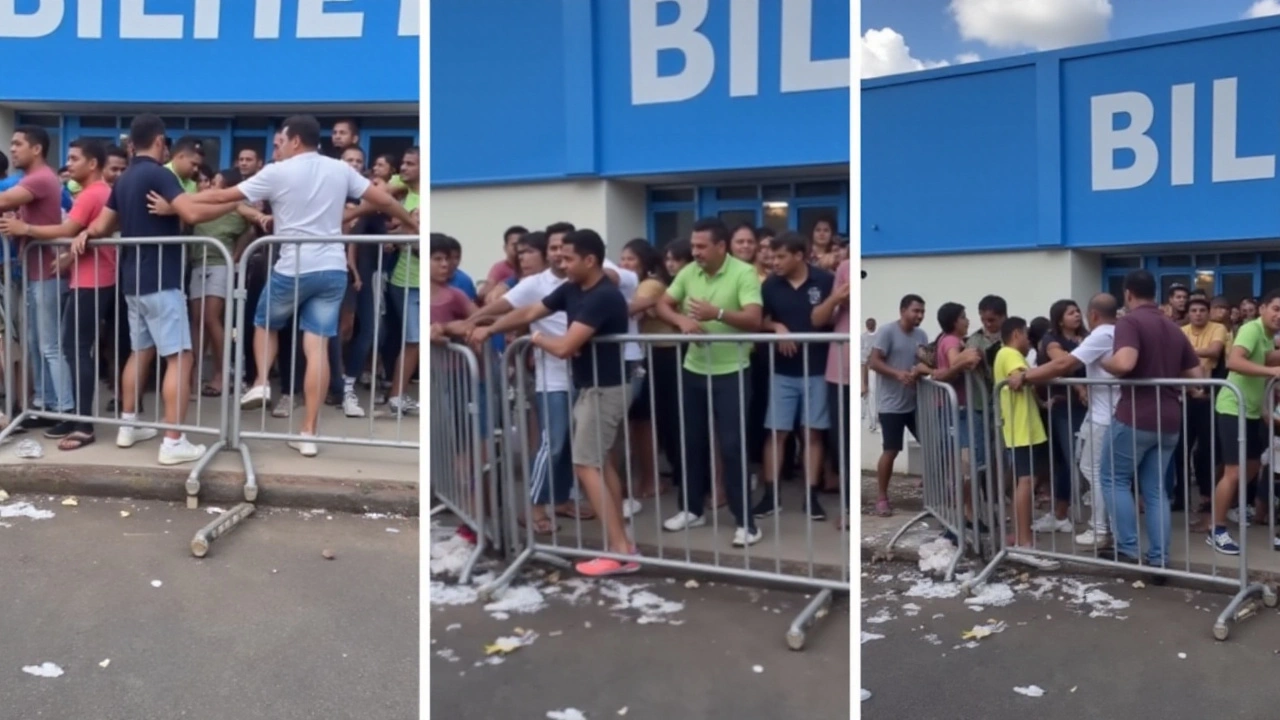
(683, 520)
(182, 452)
(284, 407)
(1047, 523)
(307, 449)
(631, 507)
(742, 538)
(404, 405)
(127, 436)
(1087, 499)
(1089, 538)
(351, 405)
(255, 397)
(1038, 563)
(1233, 516)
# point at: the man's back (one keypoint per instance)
(308, 195)
(1164, 353)
(146, 269)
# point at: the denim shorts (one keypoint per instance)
(977, 453)
(315, 297)
(406, 301)
(797, 400)
(159, 321)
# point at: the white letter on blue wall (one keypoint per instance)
(314, 22)
(648, 38)
(136, 24)
(1226, 166)
(409, 14)
(1182, 135)
(1105, 139)
(46, 18)
(744, 48)
(800, 72)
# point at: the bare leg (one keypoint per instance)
(177, 382)
(214, 307)
(265, 345)
(133, 377)
(316, 382)
(608, 507)
(814, 458)
(406, 365)
(642, 450)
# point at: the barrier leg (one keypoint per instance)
(193, 479)
(1237, 609)
(219, 527)
(807, 617)
(250, 477)
(919, 517)
(438, 509)
(486, 592)
(968, 586)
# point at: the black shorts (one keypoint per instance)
(892, 426)
(1027, 459)
(1229, 436)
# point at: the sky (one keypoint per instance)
(907, 35)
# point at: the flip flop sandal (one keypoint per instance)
(75, 441)
(541, 527)
(883, 508)
(210, 391)
(584, 514)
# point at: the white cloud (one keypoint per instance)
(885, 52)
(964, 58)
(1037, 24)
(1263, 8)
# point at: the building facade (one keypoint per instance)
(636, 117)
(1052, 175)
(227, 71)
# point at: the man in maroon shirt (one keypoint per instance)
(1148, 346)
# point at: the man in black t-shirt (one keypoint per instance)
(594, 307)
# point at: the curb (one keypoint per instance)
(216, 487)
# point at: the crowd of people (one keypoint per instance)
(1162, 440)
(101, 311)
(714, 408)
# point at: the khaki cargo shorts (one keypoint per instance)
(597, 416)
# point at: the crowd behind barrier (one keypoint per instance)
(1125, 435)
(637, 417)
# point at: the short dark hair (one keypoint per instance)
(1038, 328)
(4, 164)
(1198, 300)
(35, 136)
(764, 232)
(188, 144)
(513, 230)
(1141, 284)
(1220, 301)
(415, 150)
(117, 152)
(586, 243)
(749, 228)
(1270, 297)
(719, 231)
(144, 130)
(949, 314)
(536, 240)
(443, 244)
(681, 250)
(256, 152)
(559, 228)
(908, 300)
(304, 128)
(203, 170)
(231, 176)
(1011, 326)
(91, 149)
(1176, 287)
(994, 304)
(349, 122)
(792, 242)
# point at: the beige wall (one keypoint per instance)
(478, 216)
(1029, 281)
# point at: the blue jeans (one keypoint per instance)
(357, 354)
(54, 390)
(1144, 454)
(314, 297)
(552, 476)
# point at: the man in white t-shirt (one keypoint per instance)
(868, 393)
(308, 193)
(1095, 348)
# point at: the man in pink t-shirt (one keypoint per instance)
(508, 266)
(92, 280)
(38, 200)
(833, 312)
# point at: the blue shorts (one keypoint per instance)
(977, 453)
(315, 297)
(159, 321)
(797, 401)
(405, 302)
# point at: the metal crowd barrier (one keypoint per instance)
(59, 371)
(459, 444)
(950, 487)
(1115, 465)
(403, 437)
(687, 416)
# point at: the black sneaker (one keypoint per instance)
(767, 506)
(815, 508)
(37, 423)
(333, 399)
(60, 430)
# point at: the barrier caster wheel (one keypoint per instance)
(795, 641)
(199, 548)
(250, 494)
(193, 502)
(1269, 598)
(1221, 631)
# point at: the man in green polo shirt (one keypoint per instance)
(716, 294)
(185, 158)
(403, 294)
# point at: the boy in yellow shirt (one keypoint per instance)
(1025, 440)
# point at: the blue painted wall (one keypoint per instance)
(348, 52)
(543, 89)
(1015, 153)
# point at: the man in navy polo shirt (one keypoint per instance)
(798, 393)
(151, 279)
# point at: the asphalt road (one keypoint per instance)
(645, 647)
(264, 627)
(1098, 648)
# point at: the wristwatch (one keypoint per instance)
(720, 315)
